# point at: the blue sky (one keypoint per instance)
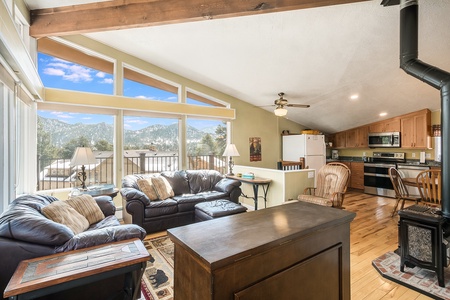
(61, 74)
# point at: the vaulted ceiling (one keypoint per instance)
(317, 52)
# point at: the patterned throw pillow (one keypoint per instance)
(63, 213)
(162, 187)
(87, 207)
(146, 186)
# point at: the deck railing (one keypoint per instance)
(56, 173)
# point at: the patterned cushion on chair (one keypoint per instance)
(316, 200)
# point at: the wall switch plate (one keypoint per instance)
(364, 153)
(413, 155)
(310, 174)
(428, 155)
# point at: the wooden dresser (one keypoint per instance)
(283, 252)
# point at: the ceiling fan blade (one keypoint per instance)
(298, 105)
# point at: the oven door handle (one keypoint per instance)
(376, 175)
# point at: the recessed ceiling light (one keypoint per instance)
(383, 114)
(354, 97)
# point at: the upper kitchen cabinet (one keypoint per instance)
(340, 139)
(357, 137)
(390, 125)
(416, 129)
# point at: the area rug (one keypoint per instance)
(157, 281)
(421, 280)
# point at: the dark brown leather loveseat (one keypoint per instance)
(26, 233)
(189, 188)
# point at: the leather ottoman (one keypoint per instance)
(216, 209)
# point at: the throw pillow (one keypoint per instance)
(162, 187)
(63, 213)
(87, 207)
(146, 186)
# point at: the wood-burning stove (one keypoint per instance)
(421, 235)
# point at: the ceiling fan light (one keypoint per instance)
(280, 111)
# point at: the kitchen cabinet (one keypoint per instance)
(357, 174)
(340, 140)
(390, 125)
(415, 130)
(357, 137)
(357, 178)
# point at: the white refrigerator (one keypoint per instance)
(309, 146)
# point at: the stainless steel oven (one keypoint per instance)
(376, 173)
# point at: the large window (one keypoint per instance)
(151, 145)
(59, 134)
(62, 74)
(206, 141)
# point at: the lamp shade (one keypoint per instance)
(83, 156)
(280, 111)
(231, 150)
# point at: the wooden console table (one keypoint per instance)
(54, 273)
(282, 252)
(255, 182)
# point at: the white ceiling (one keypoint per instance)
(318, 56)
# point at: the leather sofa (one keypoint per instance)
(26, 233)
(189, 188)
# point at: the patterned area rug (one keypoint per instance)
(421, 280)
(157, 281)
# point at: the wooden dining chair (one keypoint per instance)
(286, 165)
(429, 184)
(401, 191)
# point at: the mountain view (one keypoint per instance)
(159, 137)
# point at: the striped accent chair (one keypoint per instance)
(332, 183)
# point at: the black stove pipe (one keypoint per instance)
(437, 78)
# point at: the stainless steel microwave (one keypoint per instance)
(384, 140)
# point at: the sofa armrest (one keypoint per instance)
(309, 191)
(133, 194)
(226, 185)
(106, 204)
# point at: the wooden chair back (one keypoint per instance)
(429, 184)
(401, 191)
(290, 165)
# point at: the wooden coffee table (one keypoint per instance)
(54, 273)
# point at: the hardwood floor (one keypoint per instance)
(373, 232)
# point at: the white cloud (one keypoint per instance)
(107, 81)
(100, 74)
(54, 72)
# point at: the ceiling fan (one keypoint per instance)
(281, 103)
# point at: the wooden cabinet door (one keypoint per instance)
(407, 126)
(415, 130)
(392, 125)
(340, 139)
(351, 140)
(421, 130)
(357, 178)
(363, 137)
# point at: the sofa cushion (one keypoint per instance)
(214, 195)
(178, 180)
(63, 213)
(87, 207)
(202, 180)
(160, 207)
(162, 187)
(146, 186)
(187, 202)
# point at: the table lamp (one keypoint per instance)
(83, 156)
(231, 151)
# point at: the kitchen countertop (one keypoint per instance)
(412, 162)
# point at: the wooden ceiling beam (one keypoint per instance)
(122, 14)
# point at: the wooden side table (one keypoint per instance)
(255, 182)
(54, 273)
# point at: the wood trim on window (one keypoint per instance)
(203, 99)
(59, 50)
(147, 80)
